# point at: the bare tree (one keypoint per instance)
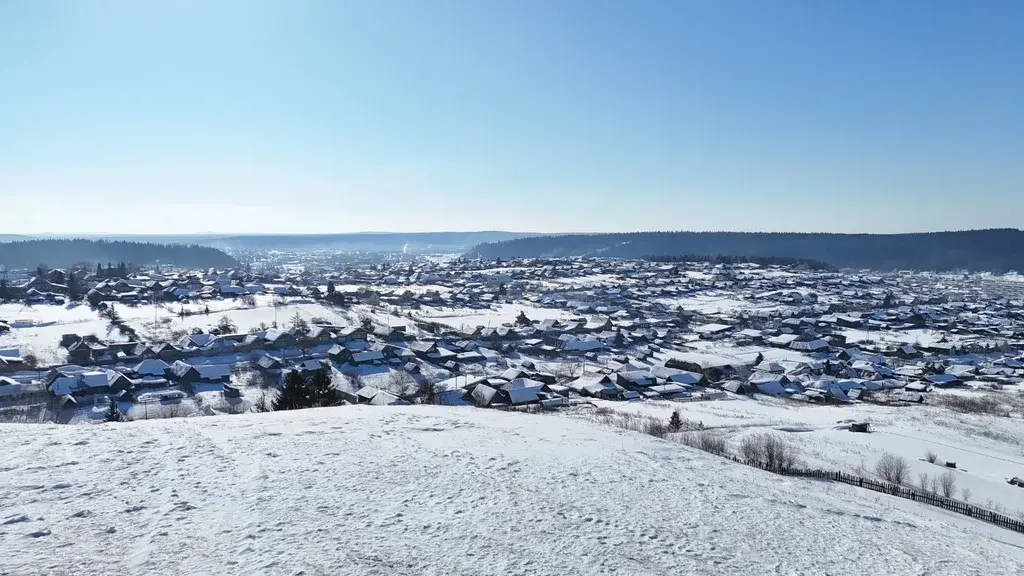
(225, 325)
(401, 383)
(948, 483)
(768, 451)
(923, 481)
(965, 494)
(261, 404)
(893, 468)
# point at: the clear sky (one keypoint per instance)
(528, 115)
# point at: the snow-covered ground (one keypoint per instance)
(496, 316)
(245, 318)
(429, 490)
(37, 330)
(725, 302)
(986, 449)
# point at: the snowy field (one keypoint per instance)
(37, 330)
(428, 490)
(496, 316)
(725, 302)
(917, 337)
(987, 449)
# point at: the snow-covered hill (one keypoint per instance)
(428, 490)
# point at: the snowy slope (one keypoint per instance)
(429, 490)
(987, 449)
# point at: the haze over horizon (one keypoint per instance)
(265, 117)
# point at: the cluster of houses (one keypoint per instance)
(642, 330)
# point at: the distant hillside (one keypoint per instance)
(365, 242)
(65, 253)
(1000, 250)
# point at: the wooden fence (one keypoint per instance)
(929, 498)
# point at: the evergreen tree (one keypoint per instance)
(5, 291)
(331, 289)
(675, 423)
(322, 390)
(523, 319)
(99, 270)
(113, 413)
(74, 288)
(758, 359)
(294, 394)
(620, 340)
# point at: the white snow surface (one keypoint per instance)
(432, 490)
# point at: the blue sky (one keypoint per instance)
(532, 115)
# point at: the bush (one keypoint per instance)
(769, 451)
(636, 422)
(655, 428)
(931, 457)
(924, 482)
(893, 468)
(975, 404)
(707, 442)
(947, 482)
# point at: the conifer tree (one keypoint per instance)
(113, 413)
(294, 394)
(675, 423)
(322, 390)
(74, 288)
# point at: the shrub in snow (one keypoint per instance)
(706, 441)
(931, 456)
(893, 468)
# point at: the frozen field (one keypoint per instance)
(987, 449)
(427, 490)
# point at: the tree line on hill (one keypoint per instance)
(68, 253)
(996, 250)
(760, 260)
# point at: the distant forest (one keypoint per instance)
(67, 253)
(761, 260)
(998, 250)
